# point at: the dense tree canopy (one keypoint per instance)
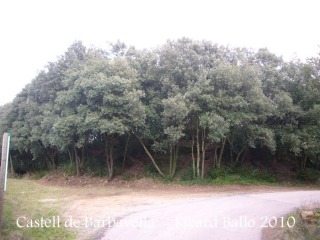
(217, 103)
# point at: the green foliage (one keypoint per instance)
(95, 167)
(182, 93)
(69, 169)
(221, 172)
(186, 174)
(150, 170)
(241, 175)
(217, 126)
(97, 171)
(39, 174)
(308, 175)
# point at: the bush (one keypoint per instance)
(242, 175)
(187, 174)
(100, 172)
(128, 177)
(221, 172)
(69, 169)
(151, 170)
(308, 175)
(39, 174)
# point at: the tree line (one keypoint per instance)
(95, 106)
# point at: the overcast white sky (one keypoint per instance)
(34, 32)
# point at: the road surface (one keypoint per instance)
(230, 217)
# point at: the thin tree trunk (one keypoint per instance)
(125, 152)
(304, 161)
(215, 157)
(82, 159)
(244, 155)
(198, 151)
(231, 150)
(47, 157)
(192, 155)
(111, 157)
(151, 157)
(239, 154)
(221, 152)
(203, 152)
(107, 149)
(174, 160)
(70, 152)
(52, 157)
(77, 161)
(170, 160)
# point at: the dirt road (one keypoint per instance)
(240, 216)
(93, 209)
(174, 211)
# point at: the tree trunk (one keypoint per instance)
(192, 155)
(47, 157)
(198, 151)
(215, 158)
(170, 160)
(109, 155)
(203, 152)
(175, 151)
(82, 159)
(244, 155)
(70, 152)
(304, 161)
(125, 152)
(221, 152)
(77, 161)
(239, 154)
(231, 150)
(175, 160)
(151, 157)
(52, 157)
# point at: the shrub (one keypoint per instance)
(39, 174)
(221, 172)
(308, 175)
(187, 174)
(69, 169)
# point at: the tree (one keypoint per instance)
(220, 102)
(103, 99)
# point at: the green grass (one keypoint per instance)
(230, 176)
(242, 176)
(22, 199)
